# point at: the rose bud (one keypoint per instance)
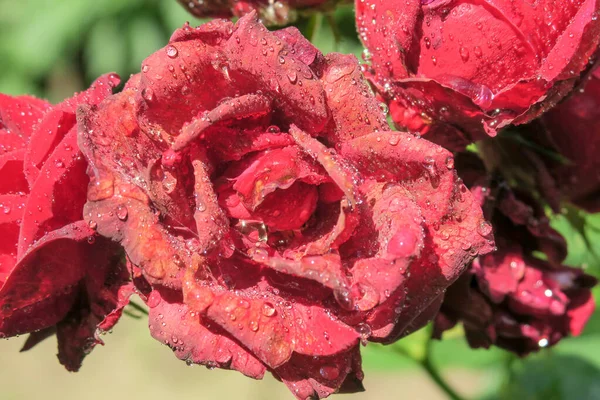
(278, 12)
(272, 219)
(458, 71)
(511, 298)
(56, 275)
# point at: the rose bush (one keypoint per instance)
(511, 298)
(459, 71)
(278, 12)
(271, 219)
(56, 276)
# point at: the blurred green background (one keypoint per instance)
(51, 48)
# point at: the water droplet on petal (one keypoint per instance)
(364, 330)
(329, 372)
(268, 310)
(148, 94)
(154, 299)
(484, 228)
(171, 51)
(450, 162)
(344, 298)
(464, 54)
(403, 243)
(122, 213)
(292, 77)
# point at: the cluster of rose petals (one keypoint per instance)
(271, 218)
(555, 155)
(571, 129)
(511, 298)
(270, 12)
(56, 276)
(461, 70)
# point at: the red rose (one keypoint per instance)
(510, 298)
(272, 219)
(456, 70)
(547, 155)
(56, 276)
(278, 12)
(571, 130)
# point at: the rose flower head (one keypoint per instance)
(271, 12)
(555, 155)
(512, 298)
(571, 130)
(271, 218)
(459, 71)
(56, 275)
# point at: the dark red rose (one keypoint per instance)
(555, 155)
(272, 219)
(56, 275)
(458, 70)
(511, 298)
(278, 12)
(572, 131)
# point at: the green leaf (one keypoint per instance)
(553, 377)
(336, 33)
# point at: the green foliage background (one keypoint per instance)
(51, 48)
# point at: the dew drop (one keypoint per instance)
(484, 228)
(171, 51)
(450, 162)
(268, 310)
(148, 94)
(292, 77)
(403, 243)
(154, 299)
(329, 372)
(344, 298)
(464, 54)
(273, 129)
(364, 330)
(122, 213)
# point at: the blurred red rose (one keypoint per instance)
(278, 12)
(456, 70)
(511, 298)
(272, 219)
(56, 276)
